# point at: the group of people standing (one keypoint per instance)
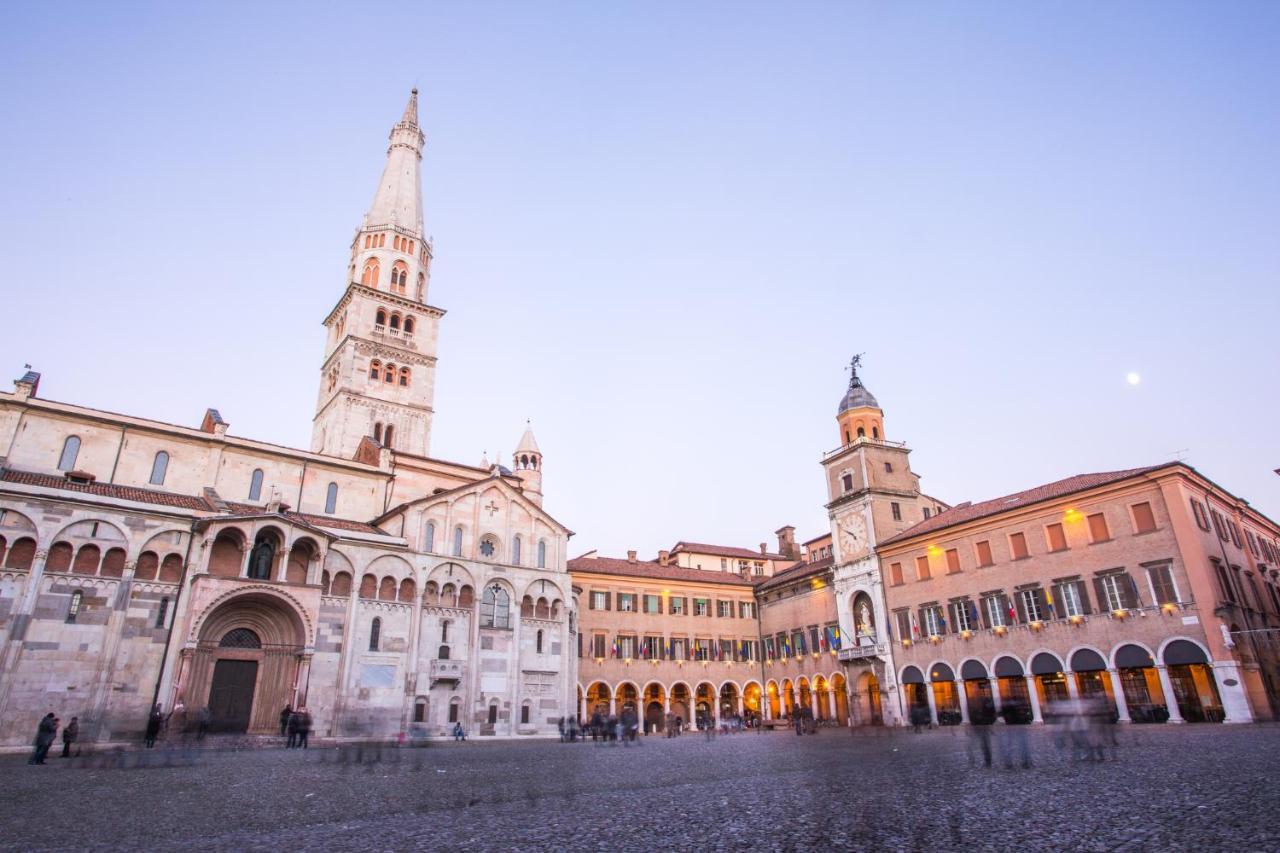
(605, 728)
(296, 725)
(47, 733)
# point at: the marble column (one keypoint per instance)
(1073, 688)
(933, 704)
(1170, 699)
(1117, 689)
(1033, 690)
(963, 697)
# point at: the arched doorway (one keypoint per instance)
(945, 701)
(1051, 685)
(840, 691)
(823, 694)
(728, 700)
(977, 693)
(705, 705)
(805, 698)
(914, 695)
(680, 703)
(774, 706)
(1194, 687)
(751, 703)
(867, 696)
(628, 697)
(597, 699)
(1140, 682)
(246, 665)
(788, 698)
(1015, 700)
(654, 708)
(1089, 670)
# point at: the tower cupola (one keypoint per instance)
(859, 415)
(527, 462)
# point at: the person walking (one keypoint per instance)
(291, 728)
(69, 735)
(45, 733)
(797, 719)
(303, 728)
(284, 719)
(154, 720)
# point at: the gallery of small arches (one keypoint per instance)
(265, 555)
(1174, 682)
(91, 547)
(694, 703)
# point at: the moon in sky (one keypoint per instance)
(1133, 378)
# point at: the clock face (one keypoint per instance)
(853, 534)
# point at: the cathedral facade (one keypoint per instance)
(144, 563)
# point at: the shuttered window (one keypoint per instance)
(1098, 531)
(1018, 545)
(1144, 520)
(1162, 586)
(1057, 537)
(983, 550)
(895, 574)
(953, 561)
(922, 568)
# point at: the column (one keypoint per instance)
(1170, 700)
(933, 704)
(963, 698)
(1073, 689)
(303, 680)
(1235, 700)
(11, 654)
(995, 698)
(1117, 689)
(1033, 691)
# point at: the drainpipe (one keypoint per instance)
(302, 481)
(173, 621)
(764, 681)
(119, 447)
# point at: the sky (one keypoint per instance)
(662, 229)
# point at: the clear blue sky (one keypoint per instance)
(662, 229)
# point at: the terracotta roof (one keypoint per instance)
(796, 572)
(653, 571)
(107, 490)
(1047, 492)
(306, 518)
(723, 551)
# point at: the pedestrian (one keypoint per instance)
(671, 724)
(69, 735)
(1014, 736)
(562, 732)
(291, 728)
(797, 719)
(459, 734)
(202, 722)
(154, 720)
(304, 728)
(284, 719)
(980, 730)
(45, 733)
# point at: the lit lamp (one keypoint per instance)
(1037, 625)
(1169, 607)
(935, 639)
(1076, 620)
(966, 634)
(906, 643)
(1000, 630)
(1119, 614)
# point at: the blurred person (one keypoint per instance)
(284, 719)
(1013, 736)
(291, 728)
(45, 733)
(459, 734)
(302, 728)
(154, 720)
(69, 735)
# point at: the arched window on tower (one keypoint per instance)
(255, 485)
(331, 498)
(875, 432)
(375, 370)
(399, 278)
(431, 537)
(404, 377)
(159, 467)
(457, 542)
(380, 319)
(539, 643)
(395, 322)
(375, 634)
(70, 450)
(408, 325)
(369, 278)
(377, 431)
(389, 373)
(862, 433)
(542, 553)
(386, 437)
(515, 551)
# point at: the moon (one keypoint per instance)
(1133, 378)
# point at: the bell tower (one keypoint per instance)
(377, 378)
(527, 460)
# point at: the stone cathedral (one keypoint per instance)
(383, 589)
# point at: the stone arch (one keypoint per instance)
(368, 586)
(1114, 658)
(83, 529)
(1085, 647)
(450, 572)
(20, 554)
(1039, 660)
(226, 553)
(599, 695)
(302, 555)
(543, 587)
(408, 590)
(1169, 641)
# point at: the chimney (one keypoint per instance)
(764, 548)
(787, 542)
(631, 556)
(213, 423)
(28, 385)
(664, 558)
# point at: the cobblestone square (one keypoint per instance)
(1183, 788)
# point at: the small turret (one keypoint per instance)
(527, 462)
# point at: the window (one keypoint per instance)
(495, 608)
(486, 547)
(888, 467)
(1018, 545)
(1056, 537)
(380, 319)
(895, 574)
(457, 541)
(70, 450)
(963, 615)
(983, 552)
(926, 513)
(902, 619)
(369, 275)
(846, 482)
(408, 325)
(1116, 591)
(524, 714)
(653, 604)
(1144, 521)
(444, 631)
(626, 646)
(442, 653)
(931, 620)
(599, 600)
(159, 467)
(493, 714)
(1163, 590)
(430, 537)
(331, 499)
(922, 568)
(996, 610)
(1224, 582)
(419, 711)
(375, 370)
(375, 634)
(162, 613)
(73, 609)
(953, 561)
(759, 569)
(538, 643)
(724, 609)
(746, 610)
(597, 646)
(404, 377)
(626, 602)
(387, 436)
(515, 551)
(1253, 543)
(1200, 513)
(255, 485)
(701, 607)
(897, 511)
(679, 648)
(1235, 533)
(676, 606)
(389, 373)
(453, 711)
(542, 553)
(1069, 599)
(377, 432)
(1219, 524)
(1033, 604)
(1098, 531)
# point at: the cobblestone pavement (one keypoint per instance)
(1184, 788)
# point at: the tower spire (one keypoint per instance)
(411, 109)
(398, 200)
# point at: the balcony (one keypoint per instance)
(449, 671)
(866, 648)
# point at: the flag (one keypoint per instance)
(1048, 598)
(1013, 614)
(614, 651)
(915, 626)
(942, 623)
(835, 636)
